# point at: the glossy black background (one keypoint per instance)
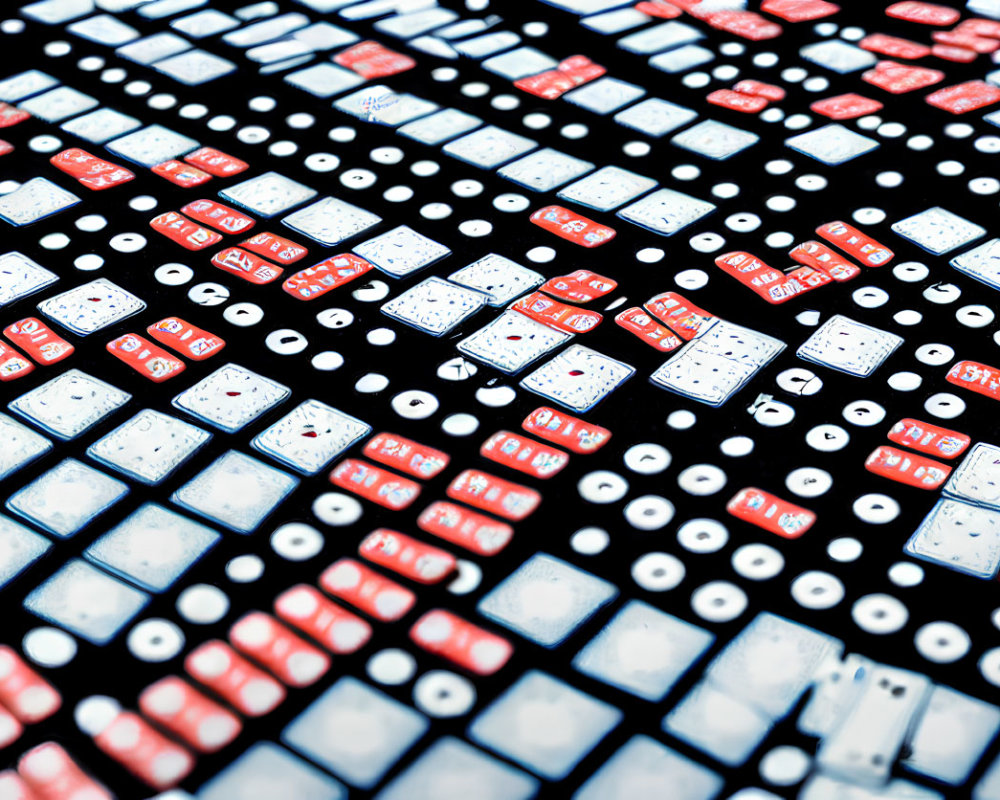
(635, 413)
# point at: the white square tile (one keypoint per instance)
(195, 67)
(148, 447)
(666, 211)
(58, 104)
(20, 547)
(401, 251)
(546, 599)
(34, 200)
(91, 306)
(497, 277)
(67, 497)
(330, 221)
(21, 446)
(544, 169)
(849, 346)
(643, 650)
(152, 547)
(544, 724)
(512, 341)
(86, 601)
(152, 145)
(330, 732)
(832, 144)
(578, 378)
(268, 194)
(20, 276)
(236, 491)
(434, 306)
(310, 436)
(70, 403)
(604, 95)
(607, 189)
(715, 140)
(231, 397)
(938, 230)
(489, 147)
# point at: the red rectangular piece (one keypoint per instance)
(958, 55)
(38, 341)
(183, 231)
(572, 227)
(855, 243)
(737, 101)
(181, 174)
(745, 24)
(580, 286)
(215, 162)
(846, 106)
(560, 316)
(466, 528)
(818, 256)
(185, 338)
(13, 364)
(12, 785)
(189, 715)
(679, 314)
(93, 172)
(766, 281)
(219, 216)
(804, 279)
(246, 265)
(374, 483)
(901, 78)
(290, 659)
(760, 89)
(10, 732)
(364, 588)
(966, 39)
(580, 68)
(144, 751)
(925, 437)
(490, 493)
(799, 10)
(23, 692)
(808, 278)
(10, 115)
(980, 27)
(566, 430)
(371, 59)
(337, 629)
(771, 513)
(568, 74)
(451, 637)
(902, 467)
(964, 97)
(53, 775)
(524, 454)
(549, 85)
(660, 9)
(327, 275)
(924, 13)
(976, 377)
(145, 357)
(407, 556)
(274, 247)
(247, 688)
(893, 46)
(635, 320)
(406, 455)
